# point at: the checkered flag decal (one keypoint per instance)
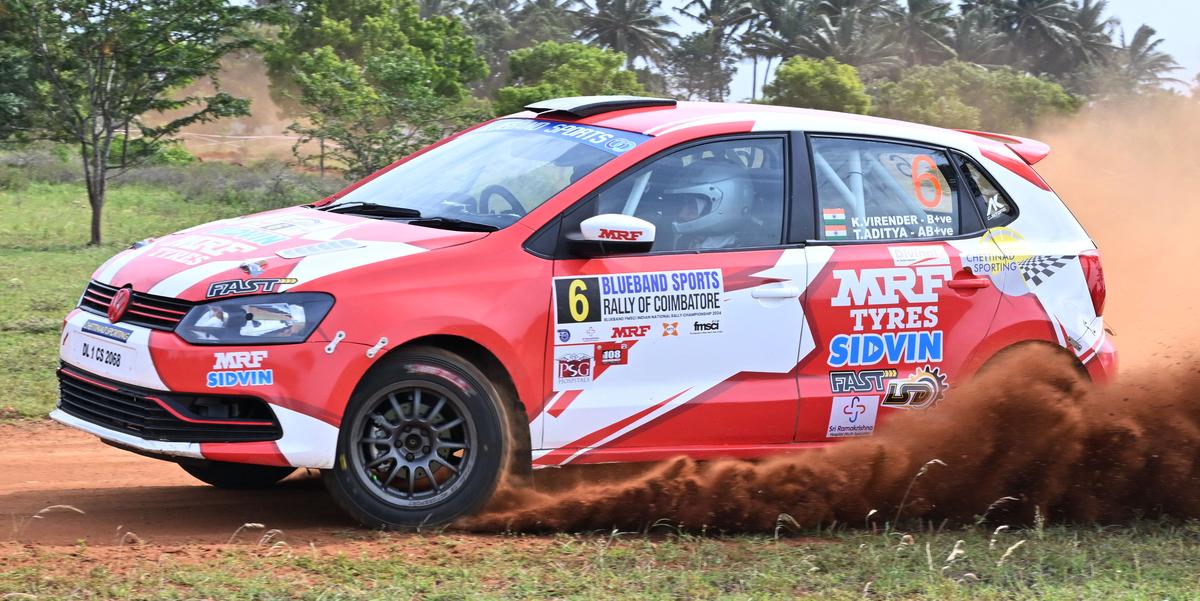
(1038, 269)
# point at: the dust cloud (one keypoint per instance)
(1030, 428)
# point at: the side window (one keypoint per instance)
(995, 206)
(875, 191)
(718, 195)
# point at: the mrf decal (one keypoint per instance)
(893, 310)
(599, 319)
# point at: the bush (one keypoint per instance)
(818, 84)
(962, 95)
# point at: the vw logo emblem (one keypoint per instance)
(119, 304)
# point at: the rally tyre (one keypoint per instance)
(424, 440)
(236, 476)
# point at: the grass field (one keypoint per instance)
(1144, 561)
(44, 264)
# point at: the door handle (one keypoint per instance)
(771, 291)
(972, 282)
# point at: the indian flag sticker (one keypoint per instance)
(834, 215)
(835, 231)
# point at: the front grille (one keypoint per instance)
(170, 417)
(157, 312)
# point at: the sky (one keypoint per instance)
(1175, 20)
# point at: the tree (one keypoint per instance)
(692, 71)
(923, 29)
(819, 84)
(852, 33)
(962, 95)
(501, 26)
(96, 68)
(776, 32)
(552, 70)
(976, 39)
(634, 28)
(1141, 64)
(376, 79)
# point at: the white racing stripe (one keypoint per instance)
(109, 269)
(320, 265)
(174, 285)
(307, 441)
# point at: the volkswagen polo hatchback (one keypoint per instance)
(598, 279)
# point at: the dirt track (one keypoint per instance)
(47, 464)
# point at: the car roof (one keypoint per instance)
(700, 116)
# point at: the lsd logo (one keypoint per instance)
(852, 416)
(671, 328)
(564, 335)
(239, 368)
(925, 387)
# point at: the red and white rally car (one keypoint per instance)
(599, 279)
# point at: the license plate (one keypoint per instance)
(100, 356)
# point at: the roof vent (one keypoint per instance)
(586, 106)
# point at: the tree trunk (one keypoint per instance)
(96, 191)
(754, 80)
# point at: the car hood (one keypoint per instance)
(267, 252)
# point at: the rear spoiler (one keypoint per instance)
(1030, 151)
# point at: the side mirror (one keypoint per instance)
(611, 234)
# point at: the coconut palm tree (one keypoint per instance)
(775, 32)
(635, 27)
(854, 36)
(976, 39)
(1035, 28)
(1141, 64)
(922, 27)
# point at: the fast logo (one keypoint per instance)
(232, 287)
(240, 368)
(866, 380)
(925, 387)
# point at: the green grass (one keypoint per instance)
(1149, 561)
(45, 262)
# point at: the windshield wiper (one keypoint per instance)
(450, 223)
(373, 208)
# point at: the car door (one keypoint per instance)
(693, 344)
(896, 308)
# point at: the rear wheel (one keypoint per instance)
(424, 440)
(233, 476)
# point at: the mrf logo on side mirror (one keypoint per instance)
(627, 235)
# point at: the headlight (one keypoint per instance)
(257, 319)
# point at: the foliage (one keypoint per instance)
(551, 70)
(819, 84)
(501, 26)
(362, 31)
(376, 81)
(961, 95)
(690, 68)
(88, 79)
(634, 28)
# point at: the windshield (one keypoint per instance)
(493, 175)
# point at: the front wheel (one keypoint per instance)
(236, 476)
(424, 440)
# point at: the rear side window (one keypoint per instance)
(995, 206)
(869, 190)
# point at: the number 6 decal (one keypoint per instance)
(920, 176)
